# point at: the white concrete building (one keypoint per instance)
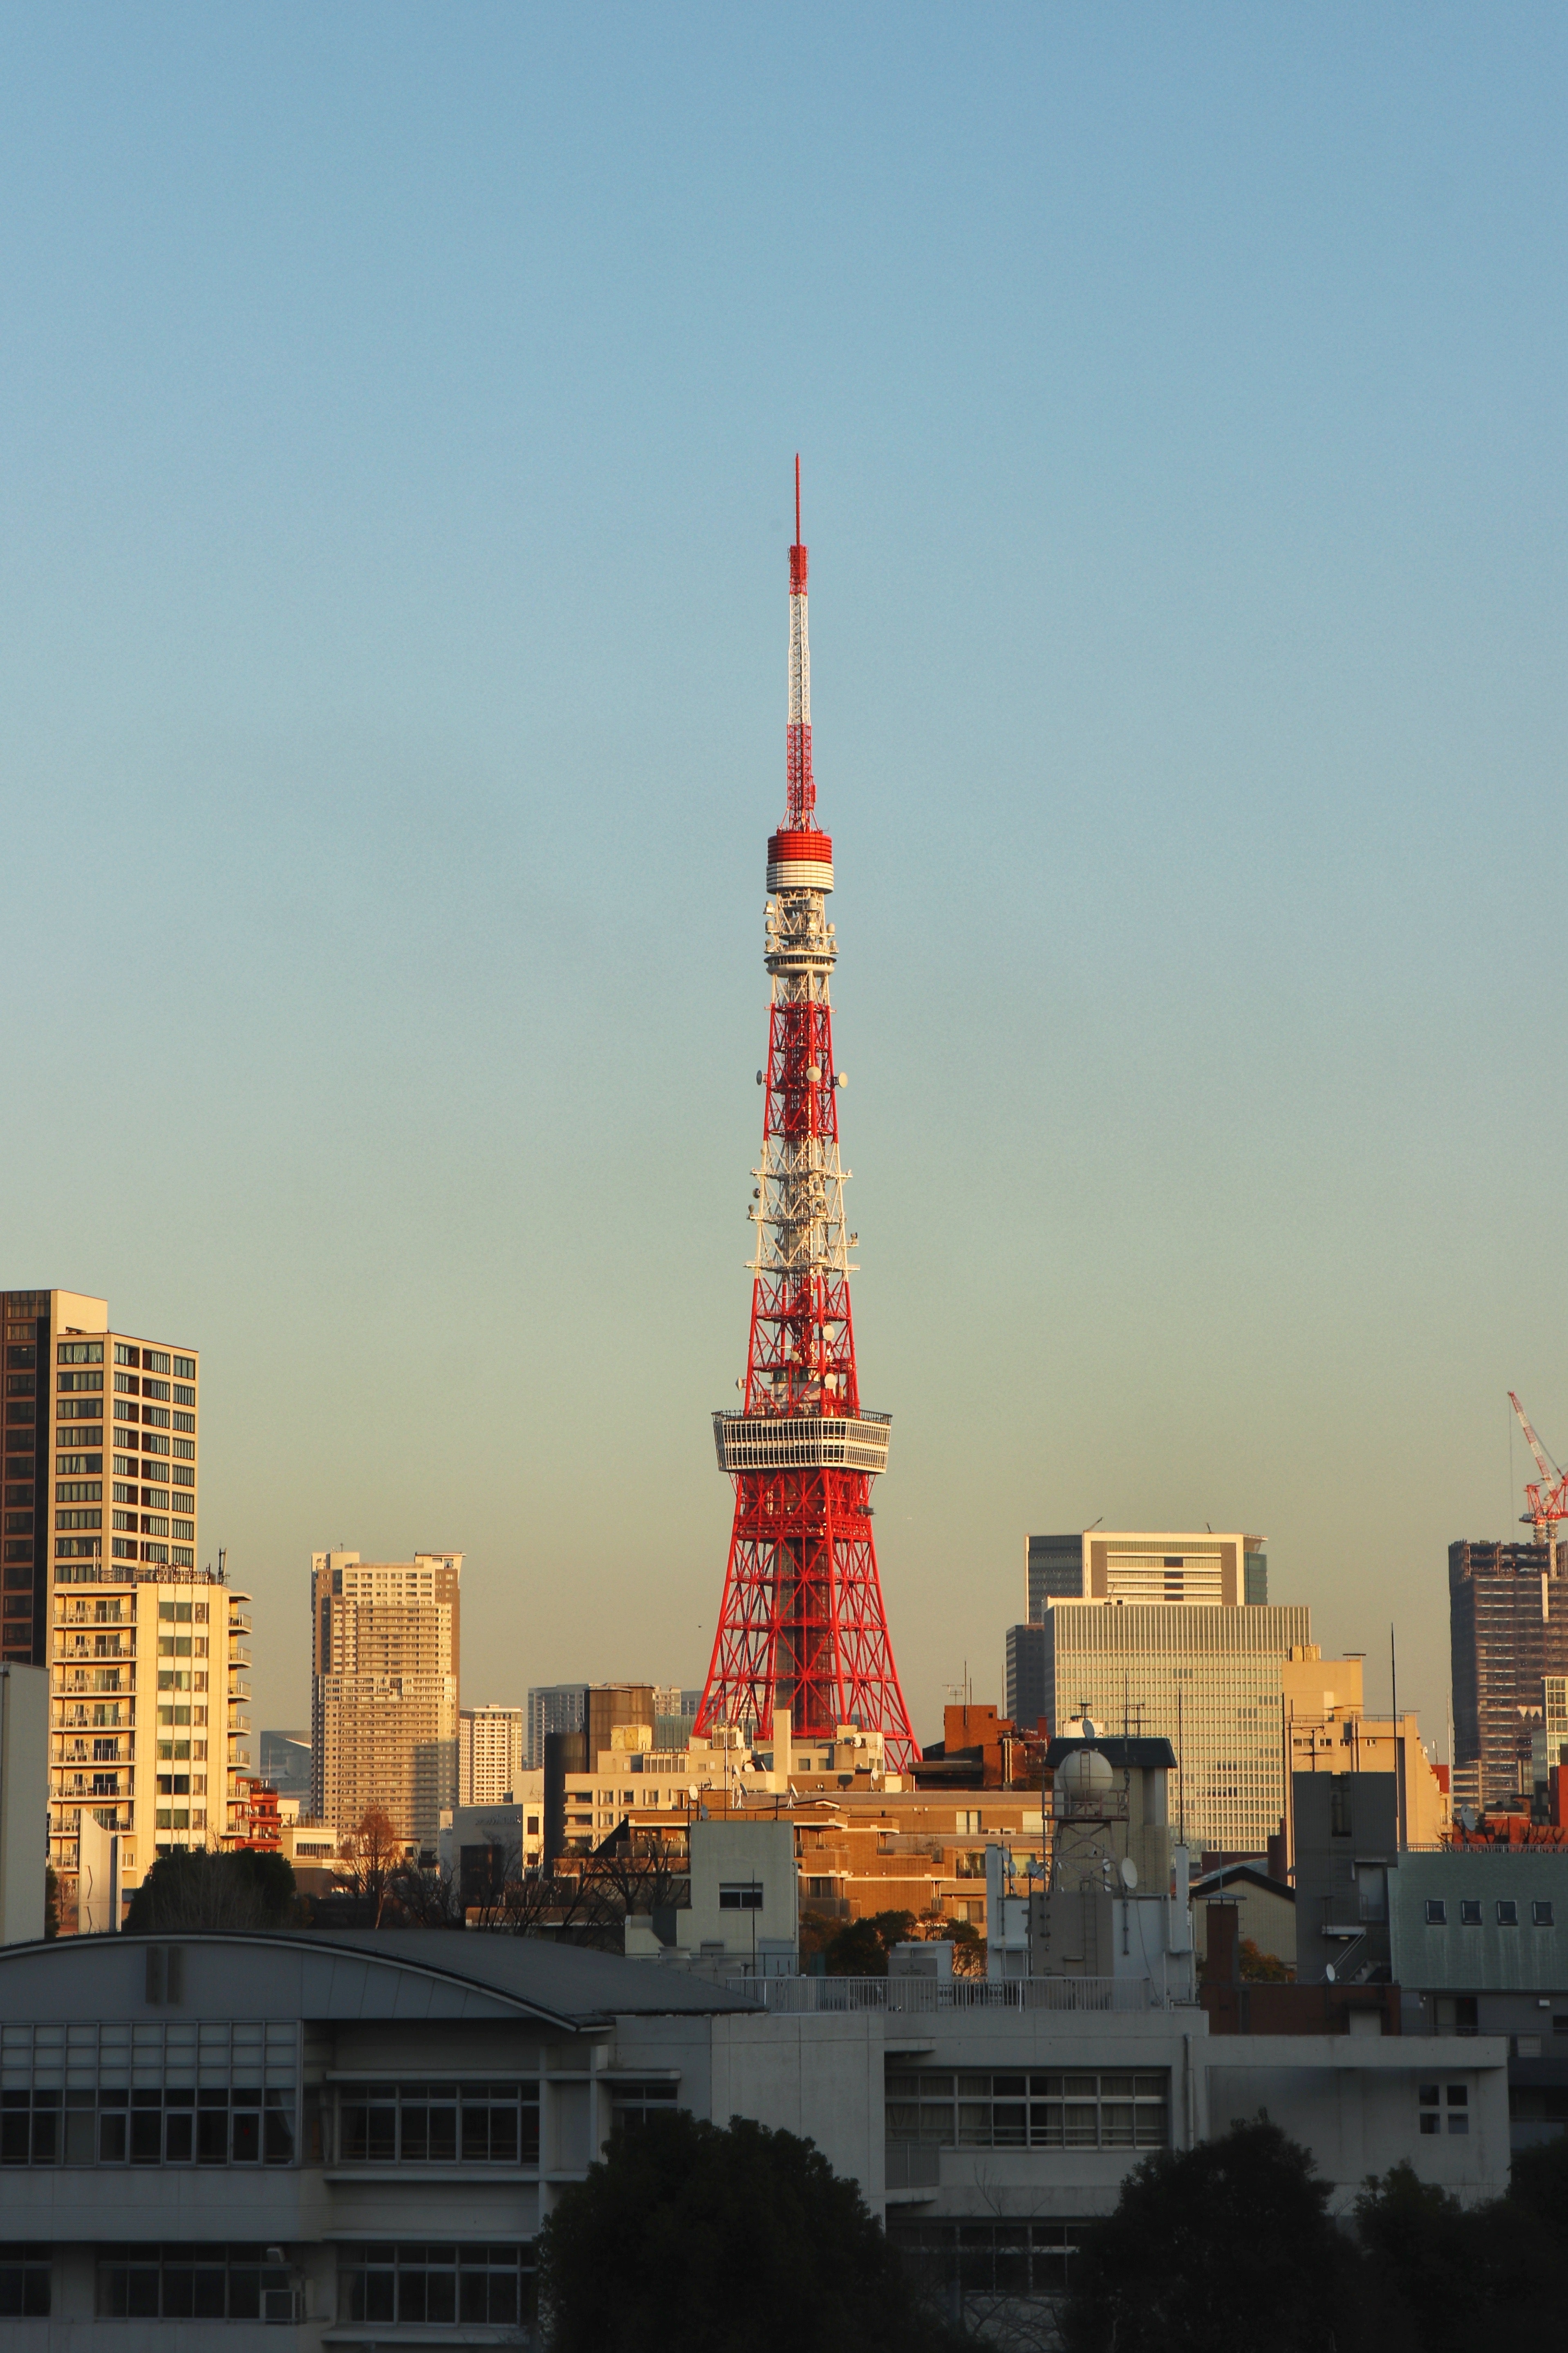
(386, 2119)
(490, 1754)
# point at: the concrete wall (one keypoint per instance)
(24, 1801)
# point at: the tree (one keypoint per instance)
(855, 1950)
(687, 2238)
(206, 1887)
(1453, 2274)
(1227, 2243)
(1259, 1967)
(372, 1853)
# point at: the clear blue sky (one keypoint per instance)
(399, 407)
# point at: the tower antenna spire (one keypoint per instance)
(803, 1633)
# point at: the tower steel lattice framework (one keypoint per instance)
(803, 1624)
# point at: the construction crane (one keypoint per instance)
(1548, 1496)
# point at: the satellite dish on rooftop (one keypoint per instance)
(1330, 1975)
(1128, 1874)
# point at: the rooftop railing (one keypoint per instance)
(925, 1996)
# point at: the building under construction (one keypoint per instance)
(1507, 1631)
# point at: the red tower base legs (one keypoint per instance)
(802, 1625)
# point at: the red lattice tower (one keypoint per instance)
(803, 1626)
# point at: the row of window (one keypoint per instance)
(193, 2282)
(992, 2258)
(153, 1360)
(109, 2126)
(435, 2283)
(1470, 1912)
(422, 2124)
(1032, 2111)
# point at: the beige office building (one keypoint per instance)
(1156, 1565)
(490, 1754)
(384, 1709)
(150, 1698)
(1208, 1680)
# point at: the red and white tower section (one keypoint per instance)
(803, 1626)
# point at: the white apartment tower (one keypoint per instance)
(384, 1706)
(490, 1754)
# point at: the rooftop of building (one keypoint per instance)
(1149, 1756)
(354, 1973)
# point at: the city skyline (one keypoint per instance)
(393, 707)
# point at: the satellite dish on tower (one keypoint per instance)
(1128, 1874)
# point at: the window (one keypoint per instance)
(1429, 2099)
(436, 2283)
(155, 1360)
(183, 1396)
(1507, 1912)
(24, 2281)
(632, 2103)
(65, 1381)
(22, 1359)
(193, 2282)
(746, 1896)
(78, 1490)
(80, 1352)
(1033, 2111)
(156, 1388)
(1459, 2101)
(113, 2125)
(185, 1421)
(438, 2124)
(1470, 1910)
(126, 1355)
(68, 1465)
(184, 1368)
(990, 2258)
(1436, 1912)
(1541, 1913)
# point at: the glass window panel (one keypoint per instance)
(974, 2124)
(1082, 2125)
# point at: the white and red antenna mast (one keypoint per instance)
(802, 1625)
(801, 792)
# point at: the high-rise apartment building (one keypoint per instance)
(490, 1754)
(70, 1381)
(99, 1582)
(553, 1707)
(1210, 1679)
(383, 1710)
(1142, 1564)
(1507, 1631)
(149, 1675)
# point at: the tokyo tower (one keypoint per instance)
(802, 1625)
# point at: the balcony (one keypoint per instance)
(239, 1656)
(803, 1442)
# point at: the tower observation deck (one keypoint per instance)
(801, 1624)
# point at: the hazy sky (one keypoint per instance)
(396, 414)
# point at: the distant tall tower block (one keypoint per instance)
(802, 1625)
